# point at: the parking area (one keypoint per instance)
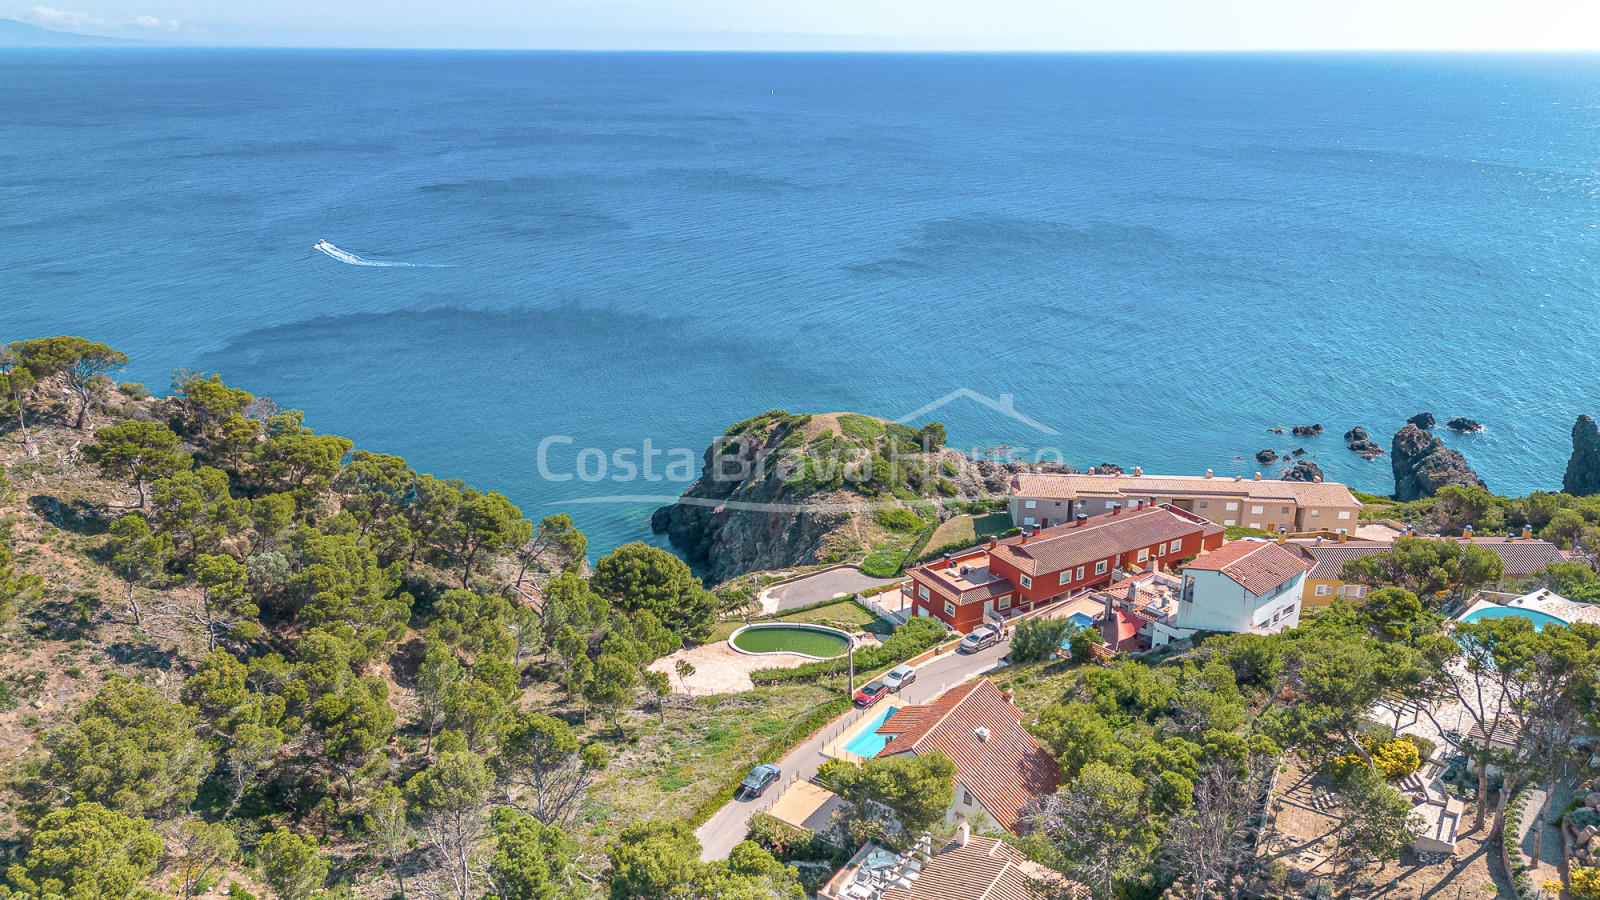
(816, 588)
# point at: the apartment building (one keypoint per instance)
(1293, 506)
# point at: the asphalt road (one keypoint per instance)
(823, 586)
(728, 826)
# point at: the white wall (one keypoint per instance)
(1214, 602)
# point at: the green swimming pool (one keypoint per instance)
(809, 640)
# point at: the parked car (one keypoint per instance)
(981, 637)
(872, 693)
(759, 779)
(899, 677)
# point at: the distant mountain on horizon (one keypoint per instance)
(20, 34)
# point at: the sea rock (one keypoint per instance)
(1307, 430)
(1421, 420)
(1356, 434)
(1304, 470)
(1274, 431)
(1583, 468)
(1298, 451)
(1106, 469)
(1422, 464)
(1366, 448)
(1463, 425)
(1266, 457)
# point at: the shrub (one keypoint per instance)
(896, 519)
(1584, 882)
(1396, 759)
(778, 837)
(1038, 639)
(882, 564)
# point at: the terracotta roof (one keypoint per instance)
(1070, 487)
(985, 869)
(1520, 557)
(1003, 771)
(1100, 537)
(1258, 566)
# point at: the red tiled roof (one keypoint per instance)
(1003, 771)
(1520, 557)
(985, 869)
(1101, 537)
(1257, 566)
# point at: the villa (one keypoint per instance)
(1520, 557)
(1247, 586)
(991, 584)
(970, 867)
(1276, 506)
(999, 766)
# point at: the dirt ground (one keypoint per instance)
(1299, 835)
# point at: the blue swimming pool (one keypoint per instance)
(1078, 620)
(869, 742)
(1539, 619)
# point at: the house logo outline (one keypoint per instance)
(1005, 406)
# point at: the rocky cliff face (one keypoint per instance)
(1583, 469)
(781, 490)
(1423, 464)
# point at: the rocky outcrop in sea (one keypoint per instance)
(1422, 464)
(1367, 448)
(1422, 420)
(1307, 430)
(1583, 468)
(1463, 425)
(1266, 457)
(1356, 434)
(1304, 470)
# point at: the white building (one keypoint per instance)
(1245, 586)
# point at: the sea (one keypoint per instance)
(1140, 259)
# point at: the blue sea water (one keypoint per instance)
(1158, 257)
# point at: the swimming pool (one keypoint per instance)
(1539, 619)
(1078, 620)
(815, 641)
(869, 742)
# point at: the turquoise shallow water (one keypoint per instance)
(1158, 257)
(1539, 619)
(791, 639)
(869, 743)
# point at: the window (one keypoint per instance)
(966, 796)
(1066, 576)
(1361, 591)
(1256, 510)
(1162, 550)
(1144, 554)
(1255, 524)
(950, 609)
(1058, 504)
(1079, 576)
(1324, 590)
(1344, 514)
(1029, 504)
(1005, 602)
(1232, 506)
(1028, 520)
(922, 591)
(1027, 582)
(1230, 521)
(1108, 504)
(1100, 567)
(1315, 513)
(1204, 504)
(1284, 510)
(1175, 546)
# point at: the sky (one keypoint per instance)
(874, 25)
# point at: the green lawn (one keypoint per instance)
(993, 523)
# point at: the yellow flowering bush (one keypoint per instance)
(1396, 759)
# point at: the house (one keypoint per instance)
(1043, 565)
(1520, 558)
(999, 766)
(1143, 608)
(969, 867)
(1247, 586)
(1276, 506)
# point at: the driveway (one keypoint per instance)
(728, 826)
(817, 588)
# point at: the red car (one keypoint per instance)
(872, 693)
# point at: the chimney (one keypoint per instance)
(1035, 531)
(1282, 539)
(1208, 473)
(1010, 696)
(1024, 537)
(1527, 532)
(1343, 537)
(1133, 595)
(982, 733)
(1258, 476)
(994, 543)
(963, 834)
(1080, 520)
(1116, 508)
(1138, 470)
(1466, 532)
(948, 562)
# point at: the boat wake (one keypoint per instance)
(351, 259)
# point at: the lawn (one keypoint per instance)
(969, 529)
(667, 769)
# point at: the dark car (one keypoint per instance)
(872, 693)
(759, 779)
(981, 637)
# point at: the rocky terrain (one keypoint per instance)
(1422, 464)
(1583, 468)
(782, 490)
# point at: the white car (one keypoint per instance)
(899, 677)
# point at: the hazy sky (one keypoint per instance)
(1094, 25)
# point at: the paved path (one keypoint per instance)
(1551, 849)
(728, 826)
(817, 588)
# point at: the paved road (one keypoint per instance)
(820, 587)
(728, 826)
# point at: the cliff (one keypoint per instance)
(1583, 468)
(1422, 464)
(781, 490)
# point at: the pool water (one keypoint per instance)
(869, 742)
(1539, 619)
(1079, 620)
(791, 639)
